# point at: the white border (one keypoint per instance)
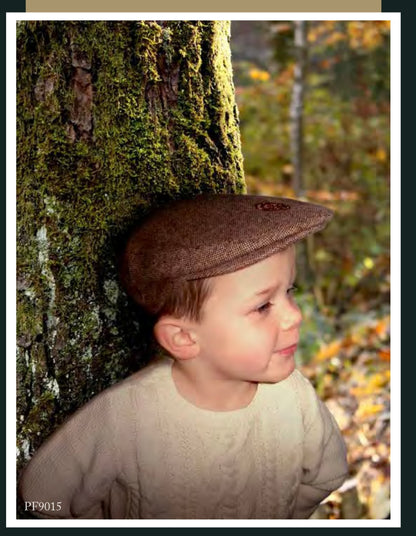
(395, 256)
(205, 16)
(11, 521)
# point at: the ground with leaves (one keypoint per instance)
(352, 376)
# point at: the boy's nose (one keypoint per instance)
(291, 318)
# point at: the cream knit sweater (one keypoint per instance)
(140, 450)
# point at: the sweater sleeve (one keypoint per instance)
(71, 473)
(324, 460)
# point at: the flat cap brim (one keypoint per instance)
(214, 234)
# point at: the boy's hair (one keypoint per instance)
(180, 298)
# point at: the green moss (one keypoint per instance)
(164, 125)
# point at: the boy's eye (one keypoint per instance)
(264, 307)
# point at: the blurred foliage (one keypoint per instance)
(352, 375)
(352, 55)
(344, 344)
(346, 155)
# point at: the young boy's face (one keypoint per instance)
(250, 325)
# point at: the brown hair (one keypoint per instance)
(179, 298)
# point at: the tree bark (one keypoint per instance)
(296, 116)
(296, 108)
(113, 118)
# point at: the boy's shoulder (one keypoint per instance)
(123, 397)
(301, 381)
(303, 387)
(146, 379)
(112, 413)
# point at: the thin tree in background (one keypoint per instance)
(296, 107)
(296, 119)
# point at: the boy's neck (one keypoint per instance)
(214, 395)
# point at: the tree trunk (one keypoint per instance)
(296, 108)
(113, 118)
(296, 116)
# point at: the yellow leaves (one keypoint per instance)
(384, 354)
(367, 408)
(352, 375)
(371, 385)
(322, 255)
(366, 386)
(381, 155)
(335, 37)
(379, 500)
(368, 263)
(354, 29)
(366, 34)
(371, 38)
(379, 380)
(382, 331)
(258, 74)
(328, 351)
(382, 327)
(312, 36)
(359, 335)
(359, 34)
(319, 30)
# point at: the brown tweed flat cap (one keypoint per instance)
(215, 234)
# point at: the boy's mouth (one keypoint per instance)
(288, 349)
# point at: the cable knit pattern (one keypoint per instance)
(140, 450)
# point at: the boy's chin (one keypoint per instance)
(280, 374)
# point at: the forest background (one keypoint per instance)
(344, 148)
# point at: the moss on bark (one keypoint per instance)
(113, 118)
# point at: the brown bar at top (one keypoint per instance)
(214, 6)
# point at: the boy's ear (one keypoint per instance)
(177, 337)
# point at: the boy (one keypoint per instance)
(226, 427)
